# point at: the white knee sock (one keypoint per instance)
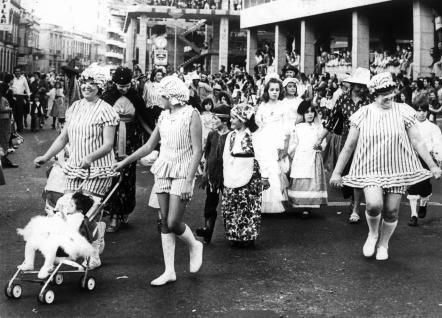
(387, 230)
(413, 204)
(168, 243)
(373, 224)
(195, 249)
(424, 201)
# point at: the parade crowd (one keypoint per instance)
(256, 143)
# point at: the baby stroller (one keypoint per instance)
(13, 288)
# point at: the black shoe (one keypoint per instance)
(412, 221)
(6, 163)
(422, 212)
(206, 233)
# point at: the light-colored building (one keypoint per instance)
(59, 46)
(9, 40)
(362, 27)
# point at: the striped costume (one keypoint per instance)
(384, 156)
(85, 124)
(172, 166)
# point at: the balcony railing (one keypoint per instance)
(114, 55)
(116, 43)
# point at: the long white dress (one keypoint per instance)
(272, 121)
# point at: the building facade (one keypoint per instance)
(180, 43)
(364, 30)
(28, 50)
(59, 47)
(9, 40)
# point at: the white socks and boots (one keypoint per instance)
(373, 233)
(195, 249)
(168, 243)
(387, 230)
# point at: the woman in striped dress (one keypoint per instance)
(385, 162)
(180, 131)
(90, 131)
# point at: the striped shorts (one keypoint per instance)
(95, 186)
(171, 186)
(391, 190)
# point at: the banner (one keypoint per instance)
(5, 8)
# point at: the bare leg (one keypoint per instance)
(49, 253)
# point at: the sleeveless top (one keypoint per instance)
(176, 144)
(384, 155)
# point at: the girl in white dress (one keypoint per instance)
(308, 184)
(271, 144)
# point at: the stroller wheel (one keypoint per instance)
(87, 283)
(13, 291)
(46, 296)
(58, 279)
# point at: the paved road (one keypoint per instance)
(299, 268)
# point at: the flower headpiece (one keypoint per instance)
(243, 112)
(100, 75)
(382, 82)
(175, 90)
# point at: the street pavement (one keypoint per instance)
(299, 268)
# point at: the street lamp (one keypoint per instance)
(150, 25)
(176, 14)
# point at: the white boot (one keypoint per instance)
(387, 230)
(369, 247)
(168, 244)
(195, 250)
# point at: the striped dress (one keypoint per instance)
(176, 144)
(85, 124)
(384, 156)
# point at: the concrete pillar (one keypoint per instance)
(225, 4)
(307, 47)
(280, 48)
(142, 44)
(223, 43)
(423, 38)
(360, 40)
(252, 47)
(214, 58)
(130, 42)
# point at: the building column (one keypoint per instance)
(307, 47)
(130, 42)
(214, 58)
(223, 54)
(360, 40)
(252, 47)
(423, 38)
(142, 43)
(280, 48)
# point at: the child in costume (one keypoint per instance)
(432, 136)
(308, 187)
(65, 234)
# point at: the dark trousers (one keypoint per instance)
(19, 111)
(212, 200)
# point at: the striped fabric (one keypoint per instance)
(85, 124)
(152, 94)
(96, 186)
(176, 144)
(384, 156)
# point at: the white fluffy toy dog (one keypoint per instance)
(63, 230)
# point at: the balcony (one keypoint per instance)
(115, 55)
(24, 50)
(116, 43)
